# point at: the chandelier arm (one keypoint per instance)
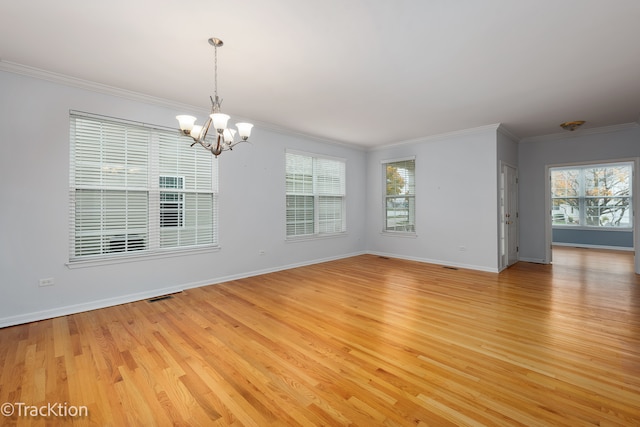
(205, 131)
(217, 149)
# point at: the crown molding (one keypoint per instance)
(447, 135)
(581, 132)
(506, 132)
(66, 80)
(76, 82)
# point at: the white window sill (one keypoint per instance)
(140, 256)
(295, 239)
(583, 228)
(404, 234)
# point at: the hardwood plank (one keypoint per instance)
(360, 341)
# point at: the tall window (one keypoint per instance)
(315, 189)
(400, 195)
(136, 188)
(592, 196)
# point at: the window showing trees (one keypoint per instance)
(592, 196)
(400, 183)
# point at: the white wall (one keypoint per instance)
(535, 154)
(456, 200)
(34, 224)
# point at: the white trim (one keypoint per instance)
(503, 130)
(593, 164)
(385, 196)
(399, 159)
(311, 237)
(63, 79)
(592, 228)
(436, 262)
(88, 306)
(447, 135)
(548, 241)
(585, 246)
(37, 73)
(316, 155)
(126, 257)
(533, 260)
(581, 132)
(581, 166)
(403, 234)
(139, 296)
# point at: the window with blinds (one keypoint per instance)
(136, 188)
(315, 195)
(400, 195)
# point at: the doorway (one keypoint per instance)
(557, 212)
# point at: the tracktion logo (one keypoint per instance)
(50, 410)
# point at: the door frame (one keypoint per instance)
(503, 240)
(635, 194)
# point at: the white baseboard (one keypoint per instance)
(88, 306)
(437, 262)
(533, 260)
(580, 245)
(124, 299)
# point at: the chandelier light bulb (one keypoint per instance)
(229, 135)
(195, 132)
(244, 130)
(220, 121)
(186, 123)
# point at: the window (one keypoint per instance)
(315, 193)
(137, 188)
(400, 195)
(592, 196)
(171, 203)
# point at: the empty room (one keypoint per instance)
(363, 213)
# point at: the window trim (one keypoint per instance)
(581, 197)
(316, 198)
(383, 168)
(153, 249)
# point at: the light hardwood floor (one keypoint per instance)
(362, 341)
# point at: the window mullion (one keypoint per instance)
(316, 197)
(153, 186)
(582, 205)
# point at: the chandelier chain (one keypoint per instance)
(215, 70)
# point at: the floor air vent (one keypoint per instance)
(162, 298)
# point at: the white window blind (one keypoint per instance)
(120, 174)
(315, 188)
(196, 194)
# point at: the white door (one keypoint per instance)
(509, 216)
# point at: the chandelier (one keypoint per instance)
(225, 138)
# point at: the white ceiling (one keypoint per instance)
(367, 72)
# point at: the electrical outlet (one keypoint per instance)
(46, 282)
(462, 248)
(261, 252)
